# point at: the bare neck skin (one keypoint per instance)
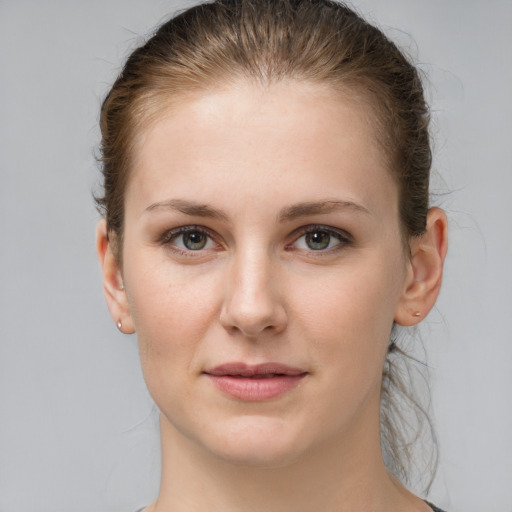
(338, 476)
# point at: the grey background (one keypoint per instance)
(77, 427)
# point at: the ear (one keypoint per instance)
(113, 287)
(425, 270)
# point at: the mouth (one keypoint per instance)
(254, 383)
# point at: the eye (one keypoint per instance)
(194, 240)
(319, 238)
(189, 238)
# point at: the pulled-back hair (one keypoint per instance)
(267, 41)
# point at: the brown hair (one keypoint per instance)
(266, 41)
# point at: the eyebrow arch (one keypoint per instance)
(287, 214)
(317, 208)
(189, 208)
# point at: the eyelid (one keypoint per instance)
(171, 234)
(343, 236)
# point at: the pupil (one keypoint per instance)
(194, 240)
(318, 240)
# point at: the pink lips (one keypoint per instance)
(255, 382)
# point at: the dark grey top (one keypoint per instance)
(434, 508)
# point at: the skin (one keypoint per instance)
(257, 292)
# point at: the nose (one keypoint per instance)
(253, 302)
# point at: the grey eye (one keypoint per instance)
(318, 240)
(321, 239)
(194, 240)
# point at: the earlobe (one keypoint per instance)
(113, 287)
(425, 270)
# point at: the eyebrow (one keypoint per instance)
(287, 214)
(189, 208)
(318, 208)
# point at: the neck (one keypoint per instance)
(337, 476)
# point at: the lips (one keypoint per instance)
(259, 370)
(255, 382)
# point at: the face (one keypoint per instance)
(263, 265)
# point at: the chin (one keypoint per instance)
(257, 456)
(256, 442)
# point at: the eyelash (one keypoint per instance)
(169, 236)
(344, 239)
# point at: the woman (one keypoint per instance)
(266, 228)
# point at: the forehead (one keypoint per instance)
(291, 136)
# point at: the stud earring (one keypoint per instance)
(417, 313)
(119, 325)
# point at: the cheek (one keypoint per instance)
(172, 308)
(349, 315)
(172, 312)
